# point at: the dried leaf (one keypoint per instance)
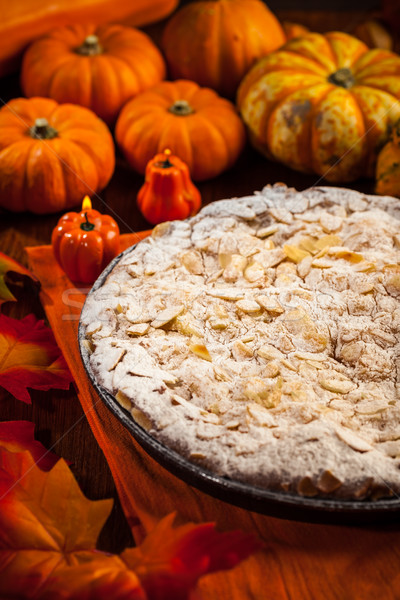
(46, 523)
(170, 560)
(17, 436)
(8, 264)
(30, 357)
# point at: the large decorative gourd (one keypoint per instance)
(215, 42)
(25, 20)
(196, 124)
(323, 104)
(100, 68)
(51, 155)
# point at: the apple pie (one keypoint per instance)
(260, 340)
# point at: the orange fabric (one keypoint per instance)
(300, 560)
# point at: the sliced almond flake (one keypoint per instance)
(354, 441)
(198, 455)
(248, 306)
(214, 276)
(261, 415)
(320, 263)
(330, 222)
(269, 245)
(267, 231)
(269, 352)
(218, 324)
(305, 487)
(295, 253)
(138, 329)
(112, 358)
(93, 327)
(187, 325)
(166, 315)
(235, 268)
(208, 431)
(289, 365)
(232, 424)
(271, 258)
(250, 337)
(345, 254)
(315, 364)
(123, 400)
(304, 267)
(193, 262)
(137, 316)
(201, 351)
(209, 417)
(89, 346)
(221, 374)
(141, 419)
(271, 369)
(308, 243)
(328, 482)
(327, 241)
(337, 386)
(241, 350)
(315, 356)
(226, 293)
(161, 229)
(254, 272)
(281, 214)
(365, 267)
(371, 407)
(176, 399)
(270, 304)
(119, 309)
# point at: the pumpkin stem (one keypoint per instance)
(41, 130)
(342, 77)
(181, 108)
(90, 46)
(87, 226)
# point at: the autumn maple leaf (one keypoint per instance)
(48, 534)
(17, 436)
(170, 560)
(8, 264)
(30, 357)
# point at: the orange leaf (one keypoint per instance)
(17, 436)
(30, 357)
(46, 523)
(170, 560)
(9, 264)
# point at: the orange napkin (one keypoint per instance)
(299, 561)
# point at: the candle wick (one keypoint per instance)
(87, 225)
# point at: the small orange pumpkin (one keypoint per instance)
(322, 104)
(388, 166)
(100, 68)
(51, 155)
(168, 192)
(197, 125)
(216, 42)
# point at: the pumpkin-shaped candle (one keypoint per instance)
(84, 243)
(168, 193)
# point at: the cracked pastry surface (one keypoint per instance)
(260, 339)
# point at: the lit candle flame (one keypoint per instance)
(167, 153)
(86, 204)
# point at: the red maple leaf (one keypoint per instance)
(30, 357)
(17, 436)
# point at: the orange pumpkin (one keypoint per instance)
(197, 125)
(323, 104)
(51, 155)
(25, 20)
(100, 68)
(293, 30)
(216, 42)
(388, 166)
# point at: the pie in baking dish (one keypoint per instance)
(260, 340)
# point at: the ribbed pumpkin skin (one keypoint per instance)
(297, 116)
(216, 42)
(128, 64)
(50, 175)
(209, 140)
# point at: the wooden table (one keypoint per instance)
(59, 419)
